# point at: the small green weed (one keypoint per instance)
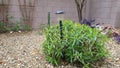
(2, 27)
(27, 28)
(42, 28)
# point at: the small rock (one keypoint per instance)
(11, 32)
(19, 31)
(117, 59)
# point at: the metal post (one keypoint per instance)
(48, 18)
(61, 25)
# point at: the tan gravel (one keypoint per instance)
(21, 50)
(114, 60)
(24, 50)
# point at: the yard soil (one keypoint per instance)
(24, 50)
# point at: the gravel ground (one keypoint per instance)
(23, 50)
(114, 60)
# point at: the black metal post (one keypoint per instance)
(61, 28)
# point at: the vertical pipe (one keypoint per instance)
(61, 28)
(48, 18)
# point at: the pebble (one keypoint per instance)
(11, 32)
(19, 31)
(17, 47)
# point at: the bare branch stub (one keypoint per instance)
(27, 10)
(80, 4)
(4, 8)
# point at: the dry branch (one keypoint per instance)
(80, 5)
(27, 10)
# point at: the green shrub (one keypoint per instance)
(27, 28)
(5, 27)
(17, 27)
(14, 26)
(2, 27)
(9, 27)
(80, 43)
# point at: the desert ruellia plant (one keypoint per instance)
(80, 43)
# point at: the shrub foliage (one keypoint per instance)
(7, 27)
(80, 43)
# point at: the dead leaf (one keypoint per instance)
(1, 62)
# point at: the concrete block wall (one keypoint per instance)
(45, 6)
(117, 16)
(105, 11)
(14, 10)
(42, 7)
